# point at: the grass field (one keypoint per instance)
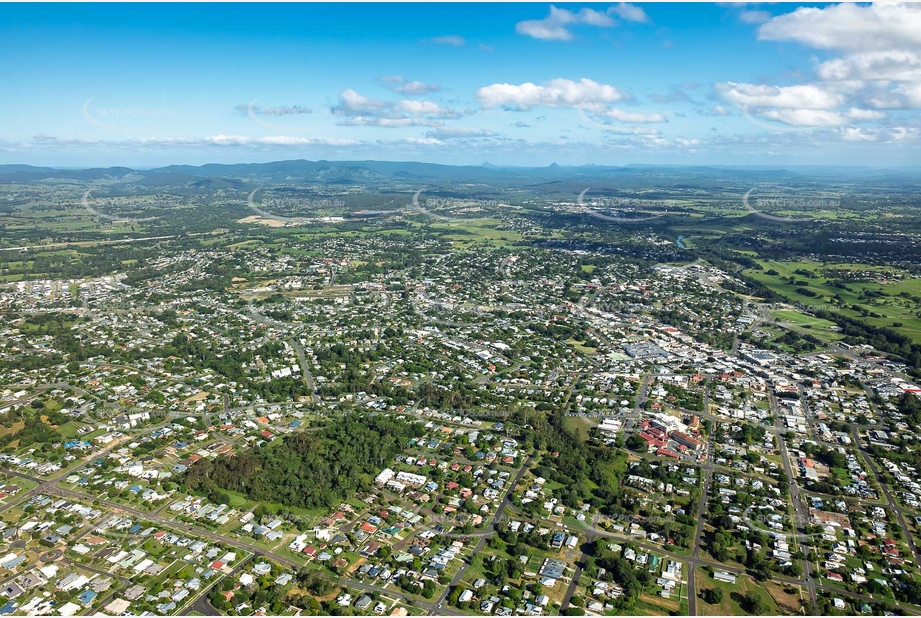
(891, 298)
(819, 328)
(731, 605)
(581, 425)
(466, 233)
(578, 345)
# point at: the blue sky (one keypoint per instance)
(512, 84)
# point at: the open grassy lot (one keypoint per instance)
(466, 233)
(581, 425)
(733, 602)
(822, 329)
(786, 597)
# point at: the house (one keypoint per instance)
(363, 602)
(723, 576)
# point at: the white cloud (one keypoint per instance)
(350, 102)
(755, 17)
(611, 113)
(554, 26)
(423, 141)
(687, 143)
(888, 134)
(555, 93)
(357, 110)
(805, 117)
(852, 27)
(426, 108)
(864, 114)
(445, 133)
(806, 96)
(820, 117)
(892, 65)
(912, 94)
(630, 12)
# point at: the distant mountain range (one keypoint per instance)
(418, 174)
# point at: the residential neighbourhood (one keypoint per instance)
(743, 478)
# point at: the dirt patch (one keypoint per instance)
(789, 603)
(197, 397)
(261, 221)
(666, 605)
(15, 427)
(356, 565)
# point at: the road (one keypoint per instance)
(707, 470)
(496, 518)
(305, 369)
(800, 510)
(50, 487)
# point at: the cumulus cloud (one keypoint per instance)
(891, 65)
(630, 117)
(819, 117)
(352, 103)
(554, 27)
(554, 93)
(851, 27)
(806, 96)
(357, 110)
(630, 12)
(881, 63)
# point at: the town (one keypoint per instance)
(387, 424)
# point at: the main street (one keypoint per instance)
(800, 510)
